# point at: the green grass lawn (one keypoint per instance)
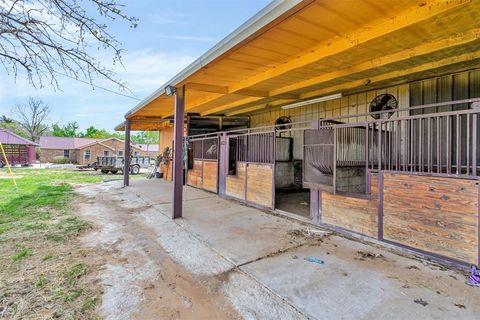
(37, 191)
(45, 272)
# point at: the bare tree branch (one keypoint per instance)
(32, 117)
(47, 38)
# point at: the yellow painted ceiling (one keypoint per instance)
(332, 46)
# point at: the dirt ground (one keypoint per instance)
(140, 280)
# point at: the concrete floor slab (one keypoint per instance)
(157, 191)
(356, 280)
(238, 232)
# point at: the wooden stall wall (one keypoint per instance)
(437, 215)
(210, 174)
(203, 175)
(253, 183)
(235, 184)
(351, 213)
(167, 170)
(194, 175)
(259, 184)
(165, 138)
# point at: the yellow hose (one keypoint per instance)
(8, 165)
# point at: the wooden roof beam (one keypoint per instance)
(243, 92)
(394, 74)
(206, 88)
(257, 107)
(424, 49)
(411, 16)
(242, 103)
(244, 110)
(360, 83)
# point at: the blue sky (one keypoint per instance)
(170, 35)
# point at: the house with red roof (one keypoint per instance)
(83, 151)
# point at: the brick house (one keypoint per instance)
(151, 150)
(81, 150)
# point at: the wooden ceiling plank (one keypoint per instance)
(206, 88)
(244, 110)
(394, 74)
(348, 85)
(424, 49)
(409, 17)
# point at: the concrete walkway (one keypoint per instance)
(262, 261)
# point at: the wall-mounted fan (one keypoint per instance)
(383, 102)
(283, 123)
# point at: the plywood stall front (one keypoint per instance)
(438, 215)
(259, 184)
(167, 170)
(194, 175)
(235, 184)
(253, 183)
(210, 170)
(166, 140)
(355, 214)
(203, 175)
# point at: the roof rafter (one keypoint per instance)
(244, 92)
(409, 17)
(423, 49)
(390, 76)
(395, 74)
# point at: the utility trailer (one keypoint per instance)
(115, 164)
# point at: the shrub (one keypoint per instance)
(60, 160)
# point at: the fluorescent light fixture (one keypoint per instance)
(170, 90)
(306, 102)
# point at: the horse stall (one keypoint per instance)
(202, 169)
(250, 168)
(291, 194)
(18, 150)
(407, 180)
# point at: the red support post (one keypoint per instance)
(178, 153)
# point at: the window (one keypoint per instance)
(106, 153)
(66, 153)
(86, 154)
(120, 153)
(135, 153)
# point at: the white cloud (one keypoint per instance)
(144, 71)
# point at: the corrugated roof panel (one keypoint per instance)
(8, 137)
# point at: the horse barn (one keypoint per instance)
(360, 117)
(15, 149)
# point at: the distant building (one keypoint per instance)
(82, 150)
(151, 150)
(17, 149)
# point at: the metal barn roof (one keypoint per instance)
(8, 137)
